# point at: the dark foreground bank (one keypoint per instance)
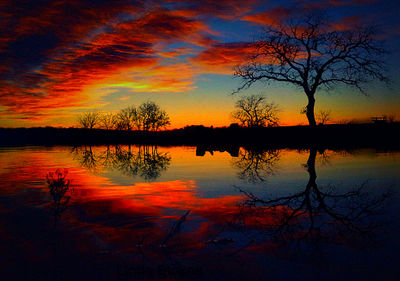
(383, 135)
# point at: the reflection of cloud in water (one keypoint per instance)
(143, 227)
(156, 197)
(151, 215)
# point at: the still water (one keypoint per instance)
(187, 213)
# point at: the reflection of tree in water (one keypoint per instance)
(145, 162)
(315, 212)
(87, 157)
(58, 187)
(255, 165)
(308, 214)
(107, 157)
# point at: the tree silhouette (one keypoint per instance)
(254, 111)
(308, 53)
(148, 116)
(108, 121)
(324, 116)
(89, 120)
(151, 117)
(126, 118)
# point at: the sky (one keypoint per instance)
(62, 58)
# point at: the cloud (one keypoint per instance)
(347, 23)
(176, 78)
(276, 15)
(63, 55)
(225, 9)
(270, 17)
(222, 57)
(184, 51)
(318, 5)
(36, 38)
(43, 71)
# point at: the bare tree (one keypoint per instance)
(324, 116)
(308, 53)
(151, 117)
(89, 120)
(126, 118)
(161, 121)
(390, 118)
(108, 121)
(254, 111)
(148, 116)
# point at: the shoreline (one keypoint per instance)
(349, 135)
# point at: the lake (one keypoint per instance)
(186, 213)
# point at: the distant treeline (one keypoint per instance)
(353, 135)
(146, 117)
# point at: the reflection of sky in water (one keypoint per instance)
(111, 212)
(215, 174)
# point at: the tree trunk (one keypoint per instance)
(310, 110)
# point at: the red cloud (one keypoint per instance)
(270, 17)
(221, 58)
(52, 52)
(58, 78)
(347, 23)
(280, 13)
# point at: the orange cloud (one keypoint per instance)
(177, 52)
(60, 56)
(67, 74)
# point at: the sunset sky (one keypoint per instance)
(62, 58)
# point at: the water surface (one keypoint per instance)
(186, 213)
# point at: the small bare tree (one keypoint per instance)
(148, 116)
(151, 117)
(108, 121)
(89, 120)
(126, 118)
(308, 53)
(324, 116)
(161, 121)
(390, 118)
(254, 111)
